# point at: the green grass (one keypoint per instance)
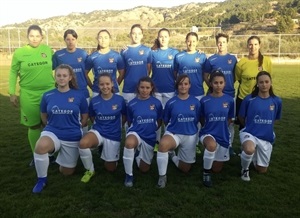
(275, 194)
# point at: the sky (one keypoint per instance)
(18, 11)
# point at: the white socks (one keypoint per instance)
(128, 157)
(41, 164)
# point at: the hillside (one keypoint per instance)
(238, 16)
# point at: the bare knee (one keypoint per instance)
(184, 167)
(144, 167)
(110, 166)
(66, 171)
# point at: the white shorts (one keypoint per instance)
(146, 151)
(187, 148)
(221, 153)
(263, 149)
(111, 148)
(128, 96)
(67, 150)
(163, 97)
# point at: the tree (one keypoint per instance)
(285, 24)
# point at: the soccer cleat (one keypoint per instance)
(40, 185)
(162, 181)
(52, 159)
(32, 164)
(198, 151)
(207, 180)
(245, 175)
(231, 151)
(87, 176)
(128, 180)
(171, 154)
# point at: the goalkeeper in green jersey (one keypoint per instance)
(32, 63)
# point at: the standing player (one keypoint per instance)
(64, 111)
(225, 63)
(144, 114)
(137, 59)
(104, 60)
(191, 62)
(75, 57)
(247, 69)
(163, 69)
(217, 112)
(32, 63)
(107, 110)
(181, 117)
(258, 112)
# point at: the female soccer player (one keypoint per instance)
(191, 62)
(247, 69)
(217, 112)
(32, 63)
(163, 70)
(137, 59)
(225, 63)
(181, 118)
(144, 115)
(258, 112)
(107, 111)
(75, 57)
(64, 111)
(104, 60)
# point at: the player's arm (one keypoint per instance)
(13, 75)
(121, 76)
(84, 119)
(44, 119)
(242, 120)
(89, 82)
(206, 78)
(149, 68)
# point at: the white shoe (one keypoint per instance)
(245, 175)
(162, 181)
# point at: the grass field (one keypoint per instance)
(275, 194)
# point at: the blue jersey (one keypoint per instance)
(64, 111)
(143, 116)
(110, 62)
(260, 115)
(163, 69)
(76, 60)
(193, 65)
(108, 115)
(182, 116)
(136, 61)
(225, 63)
(216, 112)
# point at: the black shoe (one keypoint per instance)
(32, 164)
(207, 180)
(52, 159)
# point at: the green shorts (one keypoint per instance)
(30, 106)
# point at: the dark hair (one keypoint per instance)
(149, 80)
(219, 35)
(106, 74)
(136, 26)
(34, 27)
(72, 82)
(156, 43)
(191, 34)
(71, 32)
(102, 31)
(260, 56)
(180, 78)
(214, 74)
(255, 90)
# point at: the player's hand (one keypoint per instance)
(14, 100)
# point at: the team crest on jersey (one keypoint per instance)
(114, 107)
(141, 52)
(152, 107)
(272, 106)
(71, 99)
(192, 107)
(170, 57)
(197, 60)
(43, 55)
(225, 104)
(79, 59)
(111, 60)
(229, 61)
